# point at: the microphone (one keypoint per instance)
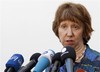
(68, 55)
(56, 61)
(14, 63)
(44, 61)
(31, 64)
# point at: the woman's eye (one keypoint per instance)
(76, 27)
(63, 26)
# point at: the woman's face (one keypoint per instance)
(70, 33)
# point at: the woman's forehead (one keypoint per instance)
(73, 21)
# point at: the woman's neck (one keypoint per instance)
(80, 47)
(80, 52)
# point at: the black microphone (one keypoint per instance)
(57, 62)
(10, 69)
(31, 64)
(14, 63)
(68, 55)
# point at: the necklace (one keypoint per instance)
(80, 54)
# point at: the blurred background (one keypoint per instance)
(26, 27)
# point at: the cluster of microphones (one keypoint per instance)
(39, 62)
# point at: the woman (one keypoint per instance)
(72, 25)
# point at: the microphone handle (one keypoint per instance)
(23, 69)
(69, 65)
(28, 67)
(10, 69)
(56, 66)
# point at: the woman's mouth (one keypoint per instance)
(69, 42)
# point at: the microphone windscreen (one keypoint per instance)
(42, 64)
(68, 52)
(48, 54)
(57, 57)
(35, 56)
(44, 61)
(15, 61)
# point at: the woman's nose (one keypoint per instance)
(69, 32)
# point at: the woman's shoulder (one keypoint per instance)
(98, 55)
(91, 54)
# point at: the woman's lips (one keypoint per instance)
(69, 42)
